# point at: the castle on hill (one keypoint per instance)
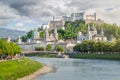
(87, 16)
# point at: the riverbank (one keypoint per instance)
(14, 69)
(96, 56)
(42, 71)
(45, 55)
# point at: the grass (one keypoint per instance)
(14, 69)
(96, 56)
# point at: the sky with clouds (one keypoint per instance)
(29, 14)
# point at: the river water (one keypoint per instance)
(80, 69)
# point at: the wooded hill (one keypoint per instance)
(72, 28)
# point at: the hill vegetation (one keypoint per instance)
(72, 29)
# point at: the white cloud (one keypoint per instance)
(19, 24)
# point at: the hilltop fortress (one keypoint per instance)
(87, 16)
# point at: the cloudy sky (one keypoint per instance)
(30, 14)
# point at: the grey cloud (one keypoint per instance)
(47, 8)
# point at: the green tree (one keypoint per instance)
(9, 48)
(29, 34)
(41, 34)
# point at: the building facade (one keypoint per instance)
(50, 37)
(35, 37)
(91, 35)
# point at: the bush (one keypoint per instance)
(59, 48)
(39, 48)
(48, 47)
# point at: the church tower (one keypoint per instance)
(19, 40)
(46, 35)
(102, 32)
(89, 33)
(9, 38)
(55, 34)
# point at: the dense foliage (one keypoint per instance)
(71, 30)
(48, 47)
(95, 47)
(59, 48)
(39, 48)
(9, 48)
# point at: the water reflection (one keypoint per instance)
(80, 69)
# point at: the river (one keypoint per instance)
(80, 69)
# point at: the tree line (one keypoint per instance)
(98, 47)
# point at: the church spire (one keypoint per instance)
(55, 33)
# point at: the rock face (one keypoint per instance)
(13, 33)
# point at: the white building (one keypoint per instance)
(91, 35)
(87, 15)
(50, 37)
(19, 40)
(9, 38)
(77, 16)
(45, 26)
(35, 37)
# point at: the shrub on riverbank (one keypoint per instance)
(48, 47)
(59, 48)
(39, 48)
(13, 69)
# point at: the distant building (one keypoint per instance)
(91, 35)
(9, 38)
(45, 26)
(66, 18)
(77, 16)
(19, 40)
(87, 16)
(57, 24)
(35, 36)
(50, 37)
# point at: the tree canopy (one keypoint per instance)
(9, 48)
(93, 46)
